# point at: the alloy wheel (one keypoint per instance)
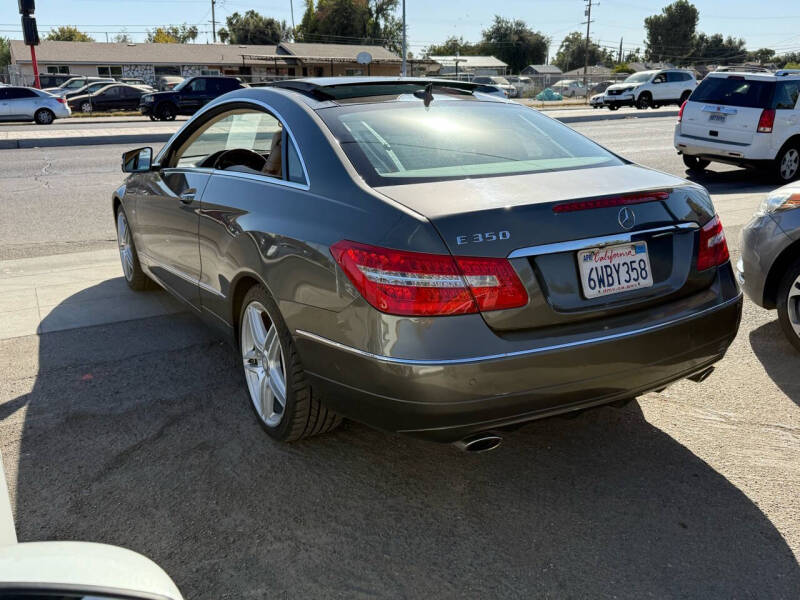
(793, 306)
(264, 365)
(789, 164)
(44, 117)
(124, 243)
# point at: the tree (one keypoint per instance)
(122, 38)
(253, 28)
(716, 49)
(762, 55)
(68, 33)
(622, 68)
(172, 34)
(671, 35)
(5, 53)
(513, 42)
(572, 51)
(452, 46)
(349, 21)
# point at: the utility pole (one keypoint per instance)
(403, 70)
(588, 13)
(213, 21)
(620, 51)
(291, 7)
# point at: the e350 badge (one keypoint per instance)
(478, 238)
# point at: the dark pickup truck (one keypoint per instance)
(186, 98)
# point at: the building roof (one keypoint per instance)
(470, 62)
(596, 70)
(648, 66)
(181, 54)
(543, 69)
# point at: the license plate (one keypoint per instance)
(717, 118)
(614, 269)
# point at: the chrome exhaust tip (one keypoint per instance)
(479, 442)
(701, 375)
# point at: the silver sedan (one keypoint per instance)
(29, 104)
(769, 270)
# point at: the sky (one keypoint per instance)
(769, 23)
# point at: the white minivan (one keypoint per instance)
(744, 119)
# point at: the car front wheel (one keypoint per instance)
(694, 163)
(135, 277)
(86, 107)
(280, 395)
(166, 112)
(644, 101)
(789, 304)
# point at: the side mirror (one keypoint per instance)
(50, 570)
(137, 161)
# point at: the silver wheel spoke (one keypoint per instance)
(256, 323)
(793, 306)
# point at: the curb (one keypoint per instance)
(154, 138)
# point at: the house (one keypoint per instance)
(150, 61)
(543, 75)
(648, 66)
(476, 65)
(594, 73)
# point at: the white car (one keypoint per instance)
(651, 89)
(744, 119)
(597, 101)
(569, 88)
(30, 104)
(498, 82)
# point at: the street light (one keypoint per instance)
(403, 69)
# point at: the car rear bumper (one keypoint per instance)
(762, 241)
(756, 153)
(446, 400)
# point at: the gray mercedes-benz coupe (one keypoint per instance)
(425, 259)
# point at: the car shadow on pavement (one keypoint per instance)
(733, 181)
(780, 359)
(139, 434)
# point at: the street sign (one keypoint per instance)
(364, 58)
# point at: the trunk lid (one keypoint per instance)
(514, 217)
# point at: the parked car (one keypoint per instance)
(498, 82)
(522, 83)
(651, 89)
(769, 268)
(597, 101)
(30, 104)
(187, 98)
(421, 287)
(168, 82)
(97, 85)
(76, 83)
(134, 81)
(492, 90)
(569, 88)
(744, 119)
(117, 96)
(601, 86)
(73, 570)
(51, 80)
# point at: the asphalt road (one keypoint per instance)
(139, 434)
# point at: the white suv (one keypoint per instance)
(744, 119)
(651, 89)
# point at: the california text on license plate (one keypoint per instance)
(614, 269)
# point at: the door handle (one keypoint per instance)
(187, 197)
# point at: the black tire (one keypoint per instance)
(86, 106)
(654, 106)
(304, 414)
(613, 107)
(152, 117)
(644, 101)
(789, 310)
(694, 163)
(684, 97)
(135, 277)
(44, 116)
(166, 112)
(786, 166)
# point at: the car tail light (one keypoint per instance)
(61, 100)
(415, 283)
(680, 112)
(766, 121)
(611, 201)
(713, 247)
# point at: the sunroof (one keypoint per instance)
(378, 88)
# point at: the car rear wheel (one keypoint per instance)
(694, 163)
(684, 97)
(789, 304)
(280, 395)
(86, 107)
(44, 116)
(613, 107)
(166, 112)
(644, 101)
(134, 275)
(787, 163)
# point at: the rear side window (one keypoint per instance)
(786, 94)
(19, 93)
(735, 92)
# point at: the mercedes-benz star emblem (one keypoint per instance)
(626, 218)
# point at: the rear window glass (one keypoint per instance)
(734, 92)
(404, 142)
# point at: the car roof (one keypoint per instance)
(330, 88)
(752, 76)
